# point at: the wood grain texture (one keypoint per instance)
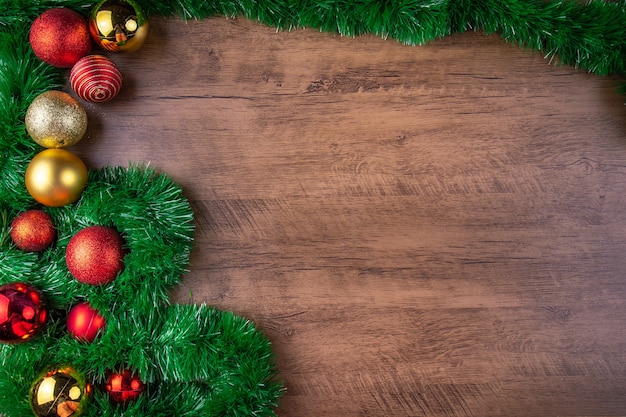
(420, 231)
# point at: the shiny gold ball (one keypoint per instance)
(56, 177)
(60, 392)
(55, 120)
(118, 25)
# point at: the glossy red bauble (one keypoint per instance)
(60, 37)
(84, 322)
(22, 312)
(95, 255)
(33, 230)
(124, 387)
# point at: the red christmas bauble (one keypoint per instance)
(95, 255)
(84, 322)
(124, 387)
(22, 312)
(33, 230)
(60, 37)
(96, 78)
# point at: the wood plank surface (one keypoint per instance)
(420, 231)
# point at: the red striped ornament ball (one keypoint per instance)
(96, 78)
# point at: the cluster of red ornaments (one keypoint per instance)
(94, 255)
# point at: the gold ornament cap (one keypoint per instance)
(56, 177)
(55, 120)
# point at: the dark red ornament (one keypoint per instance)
(95, 255)
(124, 387)
(60, 37)
(84, 322)
(33, 230)
(22, 312)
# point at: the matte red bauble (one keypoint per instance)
(84, 322)
(22, 312)
(60, 37)
(33, 231)
(124, 387)
(95, 255)
(96, 78)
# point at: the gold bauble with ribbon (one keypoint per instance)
(56, 177)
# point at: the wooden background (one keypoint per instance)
(420, 231)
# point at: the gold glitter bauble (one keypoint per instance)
(118, 25)
(56, 177)
(55, 120)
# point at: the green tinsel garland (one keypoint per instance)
(199, 361)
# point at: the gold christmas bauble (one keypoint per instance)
(60, 392)
(55, 120)
(118, 25)
(56, 177)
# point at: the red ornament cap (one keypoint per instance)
(60, 37)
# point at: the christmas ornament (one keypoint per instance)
(22, 312)
(84, 322)
(60, 37)
(56, 177)
(95, 78)
(124, 387)
(33, 230)
(55, 119)
(95, 255)
(118, 25)
(59, 393)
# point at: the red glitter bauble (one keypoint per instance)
(124, 387)
(60, 37)
(22, 312)
(33, 231)
(95, 255)
(95, 78)
(84, 322)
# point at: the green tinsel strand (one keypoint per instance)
(216, 363)
(14, 12)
